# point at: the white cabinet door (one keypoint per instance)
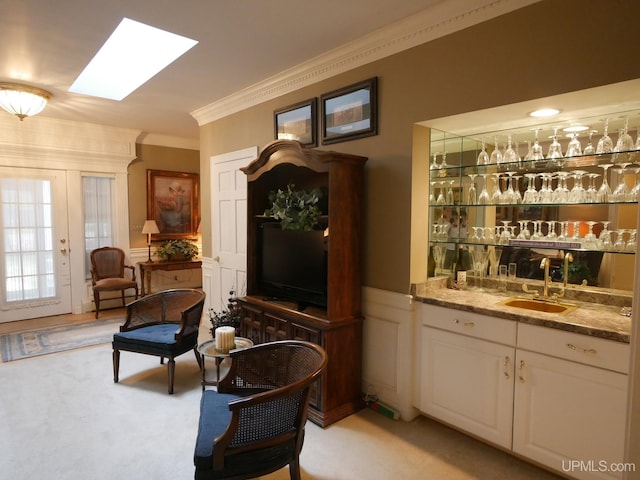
(568, 416)
(468, 383)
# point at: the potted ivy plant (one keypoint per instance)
(176, 250)
(296, 209)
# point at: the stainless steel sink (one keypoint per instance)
(546, 306)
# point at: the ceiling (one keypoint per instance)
(241, 42)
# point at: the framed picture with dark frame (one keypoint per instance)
(350, 112)
(172, 201)
(297, 122)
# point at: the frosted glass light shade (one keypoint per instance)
(22, 100)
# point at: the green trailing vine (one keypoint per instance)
(296, 209)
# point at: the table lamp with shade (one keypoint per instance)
(149, 227)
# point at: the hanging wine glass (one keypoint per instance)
(443, 163)
(551, 230)
(536, 235)
(604, 192)
(483, 156)
(508, 195)
(605, 144)
(564, 226)
(574, 149)
(589, 150)
(496, 155)
(524, 233)
(561, 192)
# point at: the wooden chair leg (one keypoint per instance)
(116, 365)
(96, 300)
(199, 358)
(123, 304)
(171, 367)
(294, 469)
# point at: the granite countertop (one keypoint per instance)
(596, 319)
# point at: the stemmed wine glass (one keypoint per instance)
(619, 244)
(604, 192)
(555, 150)
(577, 194)
(630, 246)
(604, 242)
(634, 194)
(574, 149)
(530, 194)
(625, 142)
(551, 230)
(589, 150)
(524, 233)
(440, 198)
(472, 194)
(536, 149)
(621, 191)
(484, 198)
(561, 193)
(591, 193)
(496, 155)
(450, 197)
(483, 156)
(589, 240)
(497, 194)
(605, 144)
(510, 155)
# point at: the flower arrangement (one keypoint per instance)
(230, 316)
(182, 249)
(296, 209)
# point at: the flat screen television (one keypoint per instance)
(293, 265)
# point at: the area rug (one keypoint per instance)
(16, 346)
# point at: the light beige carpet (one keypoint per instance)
(63, 418)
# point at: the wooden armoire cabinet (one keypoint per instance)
(337, 327)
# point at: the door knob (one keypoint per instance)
(216, 259)
(63, 251)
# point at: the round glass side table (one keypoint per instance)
(208, 350)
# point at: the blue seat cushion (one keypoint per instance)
(154, 340)
(214, 419)
(151, 335)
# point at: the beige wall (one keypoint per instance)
(153, 157)
(549, 48)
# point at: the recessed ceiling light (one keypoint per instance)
(133, 54)
(575, 128)
(544, 112)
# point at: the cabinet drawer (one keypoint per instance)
(468, 323)
(594, 351)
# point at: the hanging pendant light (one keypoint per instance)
(22, 100)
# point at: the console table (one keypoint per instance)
(147, 267)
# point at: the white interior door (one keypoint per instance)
(229, 224)
(35, 280)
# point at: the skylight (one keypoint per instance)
(133, 54)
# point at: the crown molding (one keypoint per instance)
(437, 21)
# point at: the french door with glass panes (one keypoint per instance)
(35, 280)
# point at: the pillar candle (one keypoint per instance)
(225, 339)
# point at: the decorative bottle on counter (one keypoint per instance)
(431, 264)
(459, 271)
